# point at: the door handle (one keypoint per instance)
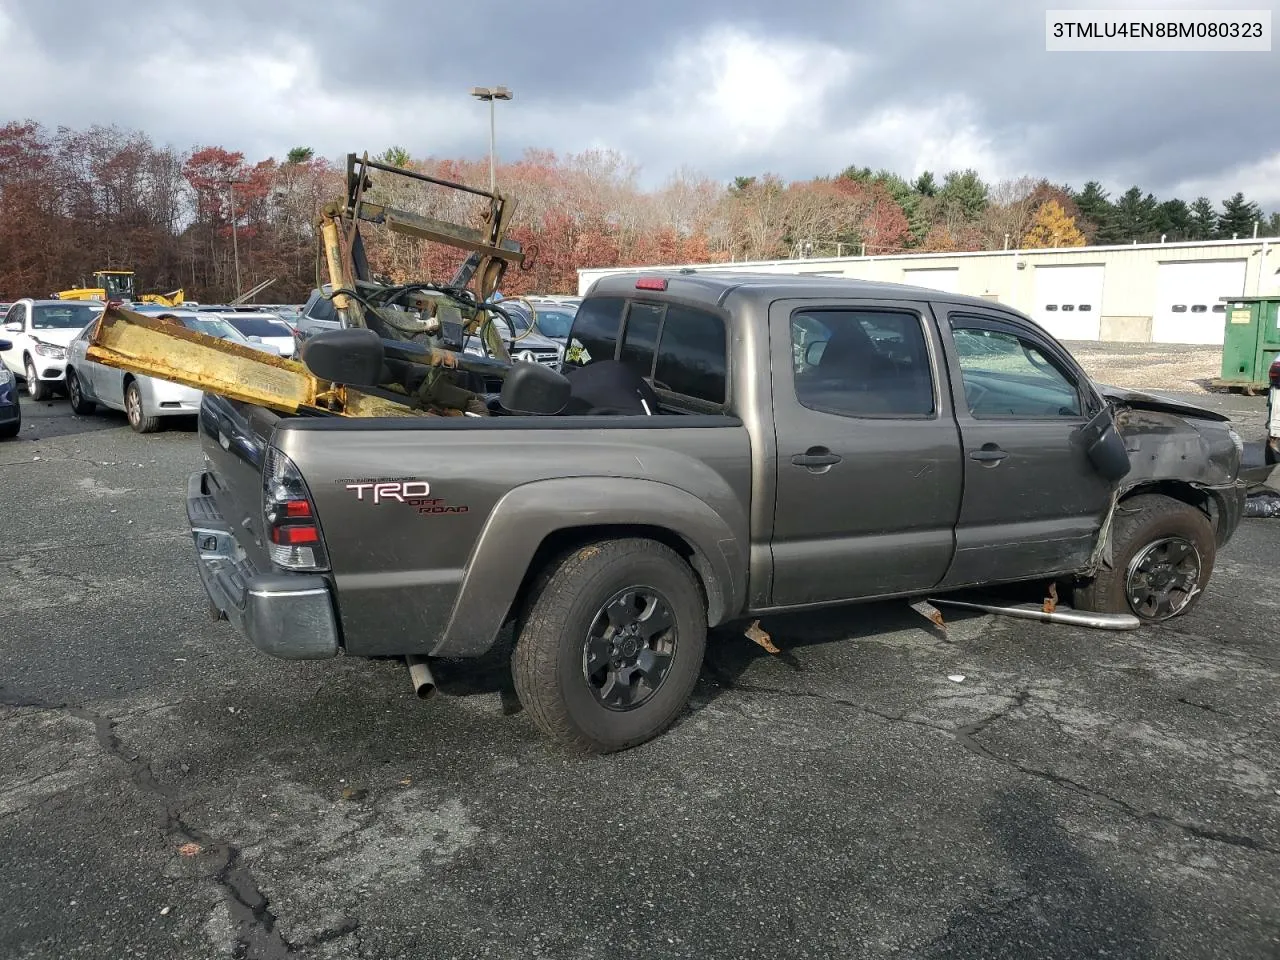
(990, 453)
(816, 457)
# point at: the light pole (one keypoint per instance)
(235, 247)
(491, 94)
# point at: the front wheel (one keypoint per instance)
(133, 410)
(611, 646)
(75, 393)
(36, 389)
(1163, 551)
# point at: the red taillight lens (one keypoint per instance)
(289, 518)
(651, 283)
(1275, 372)
(295, 534)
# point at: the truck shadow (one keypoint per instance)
(1052, 902)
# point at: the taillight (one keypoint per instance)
(289, 516)
(1275, 372)
(651, 283)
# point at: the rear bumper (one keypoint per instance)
(286, 615)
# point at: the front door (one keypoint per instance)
(1033, 502)
(868, 471)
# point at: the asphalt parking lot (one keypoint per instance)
(877, 790)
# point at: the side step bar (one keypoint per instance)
(1031, 611)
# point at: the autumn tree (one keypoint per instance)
(1052, 227)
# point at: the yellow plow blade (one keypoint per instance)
(166, 350)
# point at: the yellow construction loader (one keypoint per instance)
(417, 332)
(118, 285)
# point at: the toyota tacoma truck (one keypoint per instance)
(717, 447)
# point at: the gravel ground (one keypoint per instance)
(1176, 367)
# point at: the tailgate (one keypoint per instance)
(234, 436)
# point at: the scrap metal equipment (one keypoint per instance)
(424, 326)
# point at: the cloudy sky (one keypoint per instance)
(726, 87)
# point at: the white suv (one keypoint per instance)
(39, 332)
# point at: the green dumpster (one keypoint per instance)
(1250, 342)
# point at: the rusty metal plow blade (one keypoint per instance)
(169, 351)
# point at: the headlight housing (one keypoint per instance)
(49, 351)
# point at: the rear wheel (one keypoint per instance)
(36, 389)
(133, 410)
(611, 646)
(75, 393)
(1163, 551)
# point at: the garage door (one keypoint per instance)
(935, 278)
(1068, 300)
(1188, 300)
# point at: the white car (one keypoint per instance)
(264, 328)
(38, 332)
(143, 399)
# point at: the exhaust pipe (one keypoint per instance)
(424, 684)
(1076, 618)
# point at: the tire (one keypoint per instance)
(36, 389)
(10, 430)
(133, 410)
(79, 405)
(550, 662)
(1152, 530)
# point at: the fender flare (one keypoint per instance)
(526, 516)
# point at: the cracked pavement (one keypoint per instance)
(165, 791)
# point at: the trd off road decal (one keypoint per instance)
(377, 491)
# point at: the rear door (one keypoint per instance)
(868, 466)
(1033, 502)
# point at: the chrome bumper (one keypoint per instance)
(286, 615)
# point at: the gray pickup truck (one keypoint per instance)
(783, 443)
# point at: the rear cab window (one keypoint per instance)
(681, 350)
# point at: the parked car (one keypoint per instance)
(719, 474)
(145, 400)
(530, 346)
(38, 332)
(264, 328)
(318, 314)
(550, 318)
(10, 401)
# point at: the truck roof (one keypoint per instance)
(712, 286)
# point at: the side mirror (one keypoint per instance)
(534, 389)
(14, 327)
(352, 356)
(1105, 447)
(6, 345)
(255, 339)
(813, 352)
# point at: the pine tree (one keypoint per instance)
(1204, 222)
(1135, 217)
(1237, 217)
(1097, 213)
(925, 185)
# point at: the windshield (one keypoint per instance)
(554, 323)
(213, 327)
(519, 319)
(119, 286)
(260, 327)
(59, 316)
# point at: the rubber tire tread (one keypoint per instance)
(145, 424)
(544, 629)
(84, 407)
(1139, 521)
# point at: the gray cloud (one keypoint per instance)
(800, 88)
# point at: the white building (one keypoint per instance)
(1155, 292)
